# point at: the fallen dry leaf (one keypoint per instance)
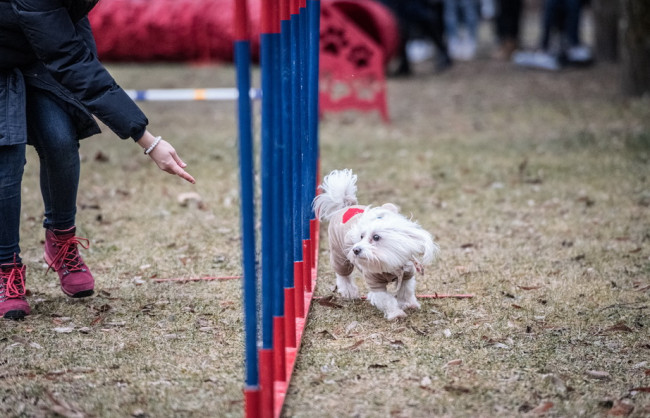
(101, 157)
(19, 340)
(621, 408)
(64, 330)
(559, 384)
(643, 289)
(327, 301)
(97, 320)
(458, 390)
(355, 345)
(351, 326)
(325, 333)
(418, 331)
(542, 408)
(187, 198)
(529, 287)
(104, 308)
(641, 389)
(377, 366)
(65, 409)
(597, 374)
(618, 327)
(456, 362)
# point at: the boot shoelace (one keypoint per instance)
(12, 283)
(68, 254)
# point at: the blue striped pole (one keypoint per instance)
(313, 12)
(306, 144)
(287, 165)
(242, 63)
(296, 151)
(277, 229)
(267, 140)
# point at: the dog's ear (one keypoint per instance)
(391, 207)
(428, 249)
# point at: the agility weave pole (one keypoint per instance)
(275, 311)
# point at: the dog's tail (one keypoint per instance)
(338, 191)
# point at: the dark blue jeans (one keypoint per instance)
(563, 15)
(52, 133)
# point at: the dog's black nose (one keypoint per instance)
(356, 251)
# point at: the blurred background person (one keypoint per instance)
(419, 20)
(507, 18)
(461, 27)
(560, 43)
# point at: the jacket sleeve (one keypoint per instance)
(68, 52)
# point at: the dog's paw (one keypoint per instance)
(346, 287)
(394, 314)
(349, 292)
(408, 304)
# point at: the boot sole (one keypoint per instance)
(17, 314)
(82, 294)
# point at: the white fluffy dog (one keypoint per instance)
(383, 244)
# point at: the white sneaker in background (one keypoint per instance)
(536, 59)
(469, 47)
(455, 48)
(419, 50)
(579, 54)
(462, 49)
(488, 9)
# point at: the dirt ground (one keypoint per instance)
(534, 184)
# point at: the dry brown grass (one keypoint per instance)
(535, 185)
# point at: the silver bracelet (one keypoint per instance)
(153, 145)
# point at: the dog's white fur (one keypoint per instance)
(382, 243)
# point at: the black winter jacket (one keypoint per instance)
(48, 45)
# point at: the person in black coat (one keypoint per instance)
(420, 18)
(51, 85)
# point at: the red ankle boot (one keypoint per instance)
(12, 291)
(62, 255)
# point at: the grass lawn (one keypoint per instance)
(535, 185)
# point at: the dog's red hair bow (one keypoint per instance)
(351, 213)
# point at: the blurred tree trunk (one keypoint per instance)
(606, 18)
(635, 46)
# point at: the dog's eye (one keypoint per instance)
(376, 237)
(361, 236)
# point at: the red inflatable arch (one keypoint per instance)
(168, 30)
(201, 30)
(375, 20)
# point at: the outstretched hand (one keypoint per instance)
(165, 157)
